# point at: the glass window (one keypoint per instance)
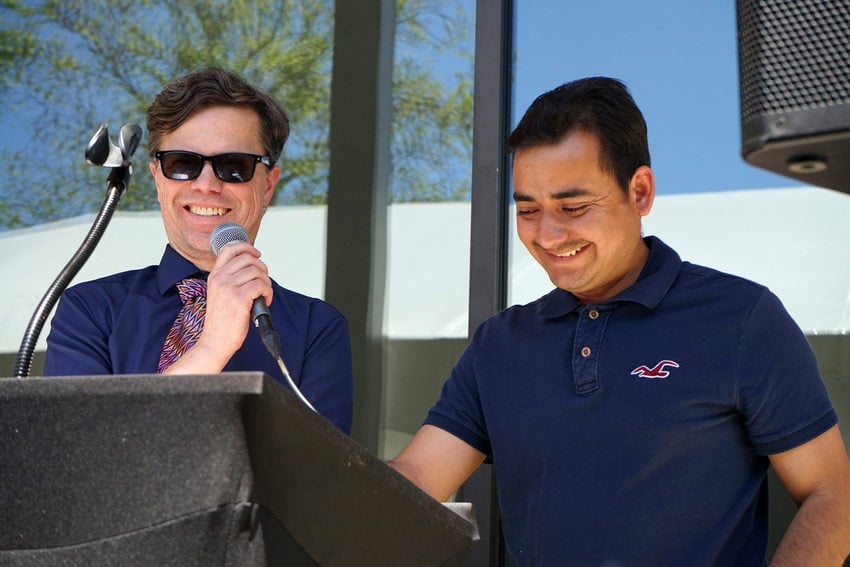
(428, 246)
(67, 71)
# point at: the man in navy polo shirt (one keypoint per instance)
(632, 413)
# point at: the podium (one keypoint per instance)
(225, 469)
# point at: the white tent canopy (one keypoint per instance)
(796, 241)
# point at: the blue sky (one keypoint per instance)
(680, 61)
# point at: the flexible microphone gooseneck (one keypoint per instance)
(228, 233)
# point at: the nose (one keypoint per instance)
(206, 180)
(551, 231)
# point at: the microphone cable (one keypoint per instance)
(227, 233)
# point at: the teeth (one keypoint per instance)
(207, 211)
(567, 254)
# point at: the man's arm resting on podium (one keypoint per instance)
(437, 462)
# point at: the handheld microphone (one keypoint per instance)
(228, 233)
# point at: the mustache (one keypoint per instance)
(564, 247)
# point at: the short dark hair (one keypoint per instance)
(598, 105)
(213, 86)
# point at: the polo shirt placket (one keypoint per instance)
(589, 334)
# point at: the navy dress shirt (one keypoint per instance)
(117, 325)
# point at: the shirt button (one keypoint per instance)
(585, 351)
(593, 314)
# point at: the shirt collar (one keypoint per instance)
(172, 268)
(662, 267)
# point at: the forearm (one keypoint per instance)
(222, 334)
(410, 472)
(437, 462)
(201, 359)
(819, 534)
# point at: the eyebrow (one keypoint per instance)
(565, 194)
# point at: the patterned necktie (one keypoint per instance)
(187, 327)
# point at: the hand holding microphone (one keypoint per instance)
(228, 233)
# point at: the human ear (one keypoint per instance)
(642, 189)
(271, 180)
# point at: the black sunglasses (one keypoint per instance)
(231, 168)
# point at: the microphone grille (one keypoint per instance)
(226, 233)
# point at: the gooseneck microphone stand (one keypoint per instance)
(100, 151)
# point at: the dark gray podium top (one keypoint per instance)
(227, 469)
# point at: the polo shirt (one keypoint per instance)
(636, 431)
(117, 325)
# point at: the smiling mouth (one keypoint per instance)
(207, 211)
(568, 253)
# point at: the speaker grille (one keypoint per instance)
(793, 55)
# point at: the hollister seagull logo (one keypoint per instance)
(656, 371)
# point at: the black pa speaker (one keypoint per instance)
(794, 73)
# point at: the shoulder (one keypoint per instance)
(304, 304)
(710, 283)
(709, 274)
(527, 318)
(100, 300)
(721, 300)
(114, 284)
(668, 278)
(522, 311)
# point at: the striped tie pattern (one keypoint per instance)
(187, 327)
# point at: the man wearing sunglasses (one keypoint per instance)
(214, 142)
